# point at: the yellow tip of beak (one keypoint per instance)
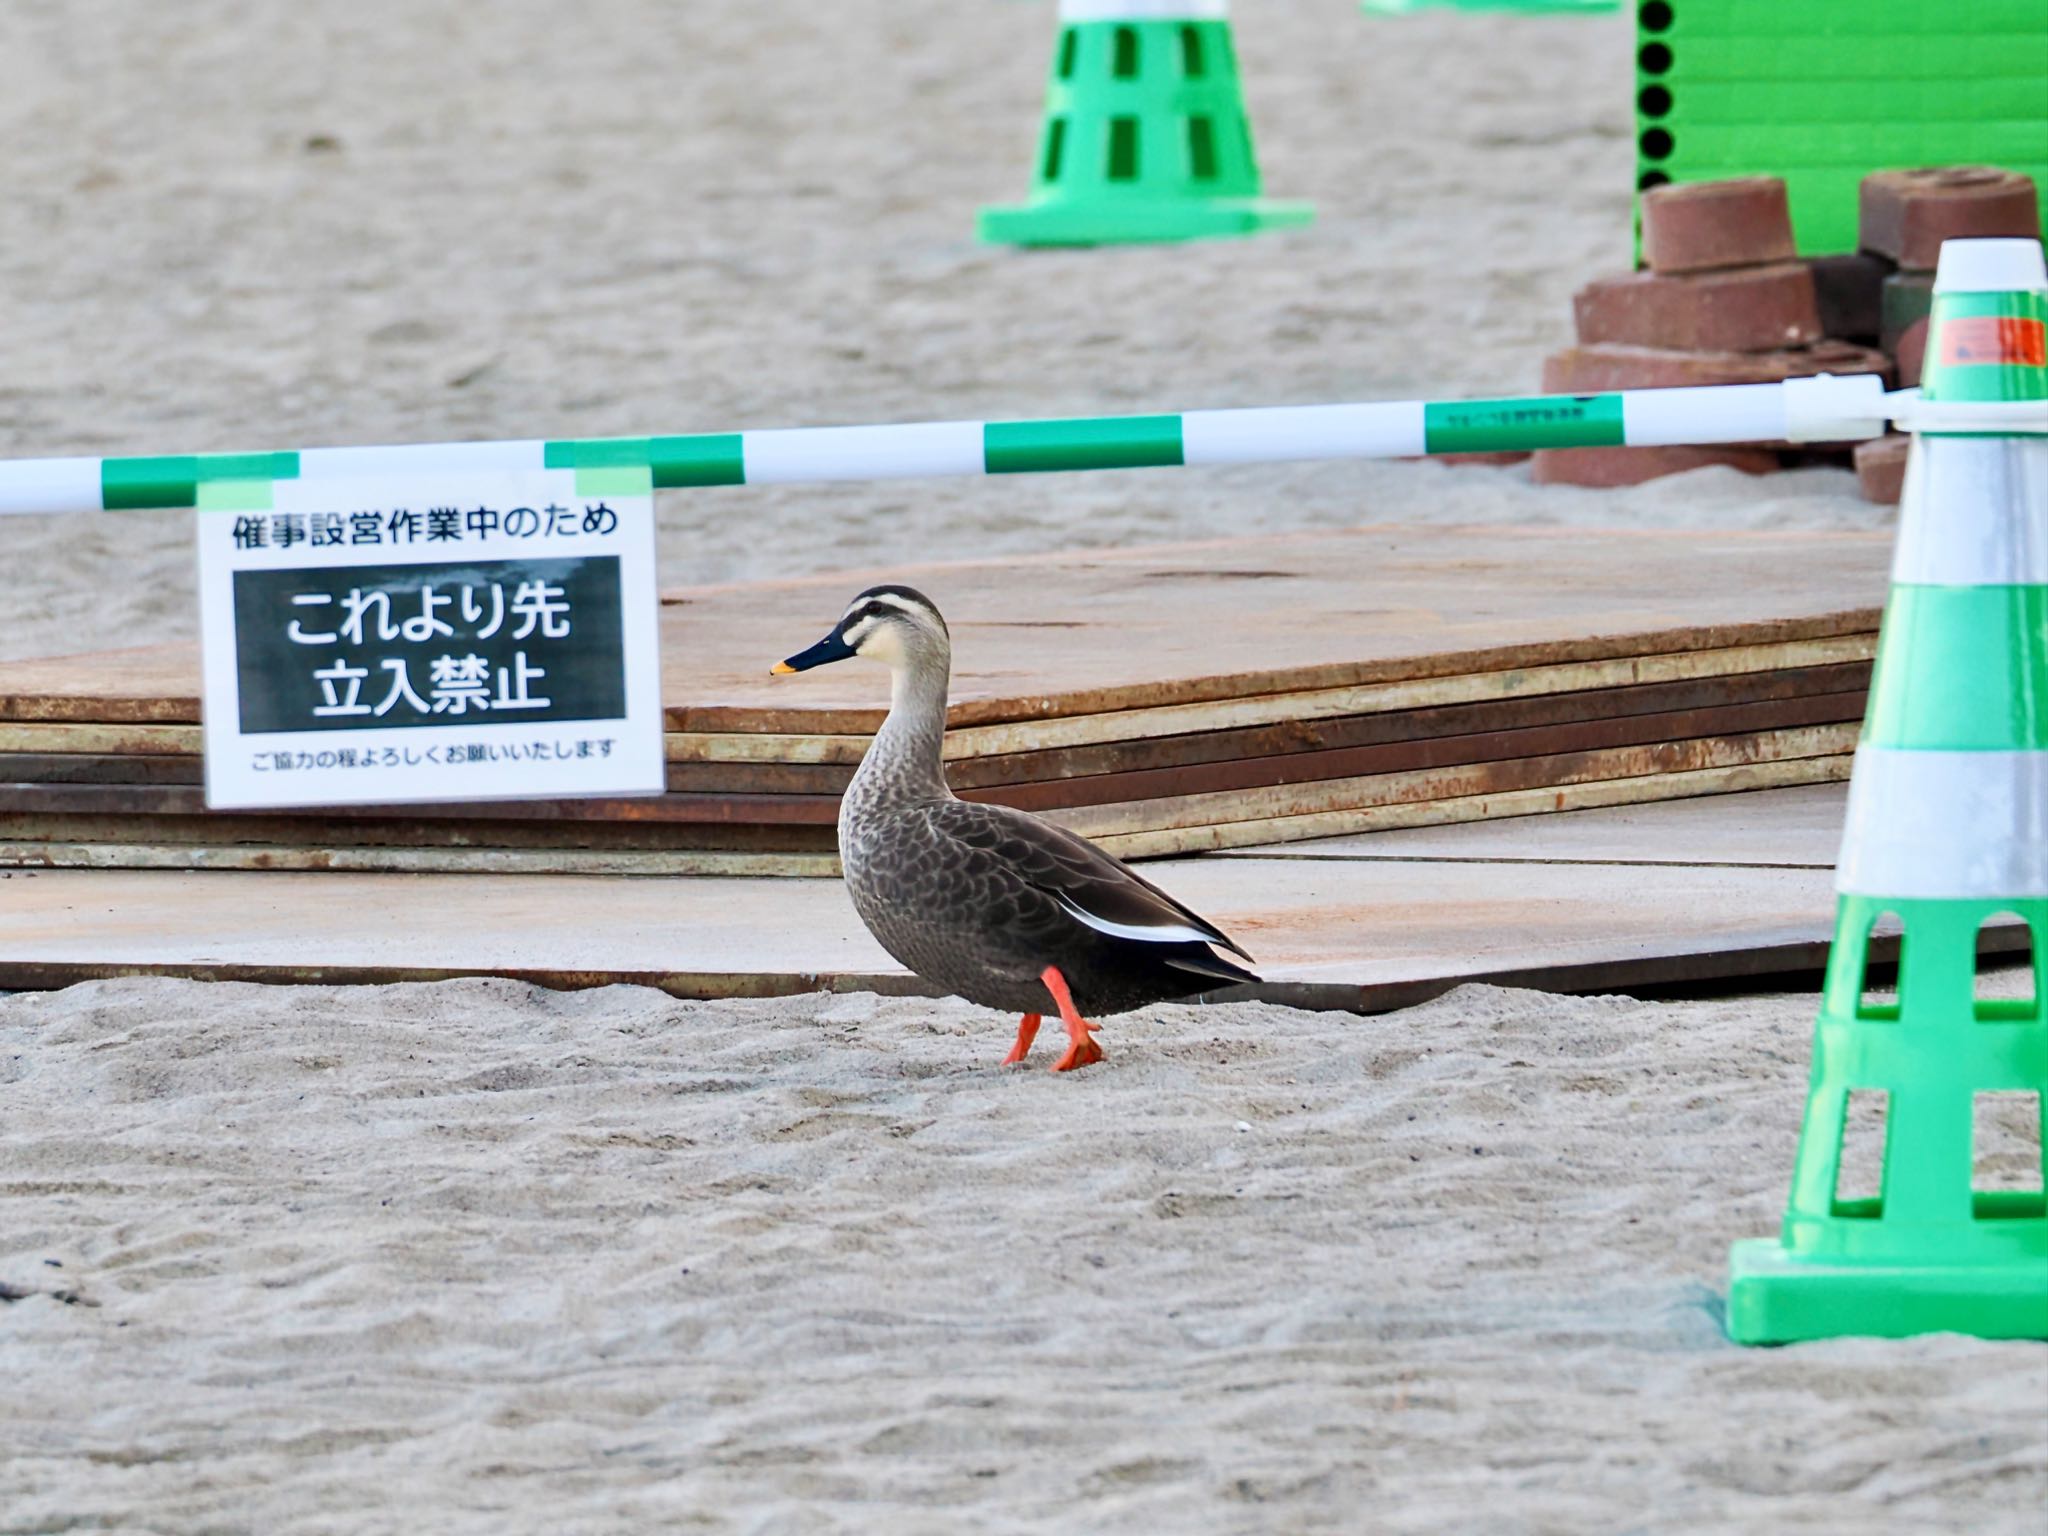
(780, 668)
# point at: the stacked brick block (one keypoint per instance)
(1902, 218)
(1723, 300)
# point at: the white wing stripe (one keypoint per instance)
(1172, 934)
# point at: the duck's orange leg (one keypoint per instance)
(1027, 1031)
(1081, 1049)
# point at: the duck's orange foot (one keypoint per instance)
(1027, 1031)
(1081, 1051)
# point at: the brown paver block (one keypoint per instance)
(1881, 467)
(1906, 300)
(1850, 291)
(1498, 458)
(1745, 309)
(1909, 353)
(1905, 215)
(1609, 467)
(1701, 226)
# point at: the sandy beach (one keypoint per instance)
(478, 1258)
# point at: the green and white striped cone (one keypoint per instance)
(1145, 135)
(1947, 827)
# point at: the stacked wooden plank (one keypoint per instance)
(1161, 700)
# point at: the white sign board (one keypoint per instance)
(384, 641)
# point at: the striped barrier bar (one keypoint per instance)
(1822, 409)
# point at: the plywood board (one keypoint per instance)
(1308, 826)
(21, 795)
(1847, 682)
(1333, 933)
(1286, 802)
(78, 851)
(1798, 828)
(106, 813)
(1168, 626)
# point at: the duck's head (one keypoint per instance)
(897, 626)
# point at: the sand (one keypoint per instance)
(363, 221)
(473, 1258)
(480, 1258)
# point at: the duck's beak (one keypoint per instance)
(831, 648)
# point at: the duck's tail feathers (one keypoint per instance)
(1199, 960)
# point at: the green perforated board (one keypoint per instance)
(1823, 92)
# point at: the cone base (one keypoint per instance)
(1775, 1297)
(1136, 222)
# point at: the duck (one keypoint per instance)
(989, 902)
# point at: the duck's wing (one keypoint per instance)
(1091, 886)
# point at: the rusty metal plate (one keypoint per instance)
(731, 777)
(1440, 752)
(1408, 725)
(685, 808)
(1642, 761)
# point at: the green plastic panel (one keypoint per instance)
(1846, 21)
(1871, 61)
(1528, 7)
(1810, 102)
(1823, 92)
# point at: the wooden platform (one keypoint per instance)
(1165, 700)
(1691, 891)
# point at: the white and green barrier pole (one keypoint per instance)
(1822, 409)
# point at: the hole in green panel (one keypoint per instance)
(1859, 1163)
(1655, 16)
(1651, 179)
(1055, 146)
(1877, 996)
(1123, 149)
(2008, 991)
(1202, 148)
(1191, 63)
(1653, 100)
(1070, 45)
(2005, 1154)
(1655, 58)
(1124, 63)
(1657, 144)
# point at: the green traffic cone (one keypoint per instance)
(1947, 827)
(1145, 133)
